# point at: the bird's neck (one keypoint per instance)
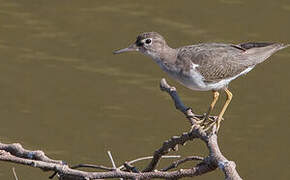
(168, 55)
(165, 55)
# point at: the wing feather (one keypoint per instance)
(214, 61)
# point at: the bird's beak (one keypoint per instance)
(132, 47)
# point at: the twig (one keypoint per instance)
(171, 144)
(149, 157)
(131, 168)
(120, 167)
(52, 176)
(112, 161)
(187, 111)
(14, 173)
(92, 166)
(180, 161)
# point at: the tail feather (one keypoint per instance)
(261, 53)
(285, 46)
(250, 45)
(279, 46)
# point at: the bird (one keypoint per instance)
(204, 66)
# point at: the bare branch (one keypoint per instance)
(101, 167)
(187, 111)
(112, 160)
(215, 158)
(228, 167)
(131, 168)
(92, 166)
(171, 144)
(181, 161)
(17, 150)
(64, 171)
(149, 157)
(15, 153)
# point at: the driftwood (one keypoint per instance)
(15, 153)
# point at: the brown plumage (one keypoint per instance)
(206, 66)
(218, 61)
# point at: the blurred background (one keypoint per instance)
(64, 92)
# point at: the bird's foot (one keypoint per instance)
(214, 123)
(205, 119)
(199, 122)
(219, 123)
(208, 123)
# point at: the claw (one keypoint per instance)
(207, 126)
(218, 124)
(203, 120)
(206, 123)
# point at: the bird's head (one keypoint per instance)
(148, 43)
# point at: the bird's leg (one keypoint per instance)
(229, 98)
(215, 98)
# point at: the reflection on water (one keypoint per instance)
(116, 10)
(62, 89)
(287, 7)
(232, 2)
(34, 55)
(186, 28)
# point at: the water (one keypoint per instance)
(64, 92)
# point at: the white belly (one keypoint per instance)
(195, 80)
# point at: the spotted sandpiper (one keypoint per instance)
(205, 66)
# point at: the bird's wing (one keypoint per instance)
(214, 61)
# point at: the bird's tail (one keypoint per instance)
(284, 46)
(262, 53)
(279, 46)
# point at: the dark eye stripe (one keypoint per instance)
(138, 41)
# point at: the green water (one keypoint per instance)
(63, 91)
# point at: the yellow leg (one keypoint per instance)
(229, 98)
(215, 98)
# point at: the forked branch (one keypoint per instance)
(15, 153)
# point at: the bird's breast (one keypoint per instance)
(191, 79)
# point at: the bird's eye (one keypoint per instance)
(148, 41)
